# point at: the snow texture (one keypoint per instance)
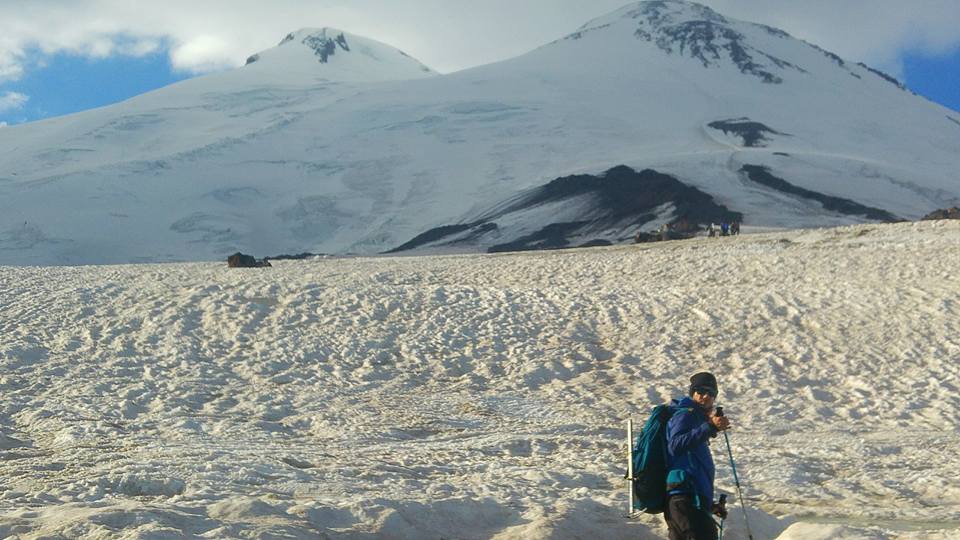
(483, 396)
(334, 143)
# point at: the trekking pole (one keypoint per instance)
(629, 468)
(736, 479)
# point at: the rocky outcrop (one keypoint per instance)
(239, 260)
(610, 207)
(753, 134)
(946, 213)
(325, 46)
(708, 37)
(762, 175)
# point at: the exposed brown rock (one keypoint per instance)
(946, 213)
(239, 260)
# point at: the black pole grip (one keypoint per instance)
(719, 411)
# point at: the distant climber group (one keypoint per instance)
(682, 229)
(725, 229)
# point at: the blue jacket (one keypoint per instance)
(688, 449)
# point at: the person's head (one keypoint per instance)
(703, 389)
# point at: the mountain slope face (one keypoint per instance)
(333, 143)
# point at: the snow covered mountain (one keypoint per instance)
(341, 57)
(334, 143)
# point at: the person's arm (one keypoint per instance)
(686, 430)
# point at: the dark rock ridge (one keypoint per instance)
(325, 47)
(322, 46)
(599, 242)
(433, 235)
(579, 34)
(835, 58)
(659, 12)
(843, 64)
(698, 32)
(708, 39)
(621, 200)
(239, 260)
(946, 213)
(623, 193)
(762, 176)
(450, 235)
(752, 133)
(884, 76)
(553, 236)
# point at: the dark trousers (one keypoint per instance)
(686, 521)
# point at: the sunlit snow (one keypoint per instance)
(483, 396)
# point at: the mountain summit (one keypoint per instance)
(678, 29)
(656, 13)
(694, 31)
(340, 56)
(660, 112)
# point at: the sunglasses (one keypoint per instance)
(706, 391)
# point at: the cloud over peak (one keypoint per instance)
(203, 53)
(11, 101)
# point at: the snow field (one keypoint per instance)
(482, 396)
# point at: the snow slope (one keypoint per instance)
(314, 147)
(482, 396)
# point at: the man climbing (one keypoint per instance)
(690, 470)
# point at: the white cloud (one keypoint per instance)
(11, 67)
(140, 48)
(202, 53)
(445, 34)
(11, 101)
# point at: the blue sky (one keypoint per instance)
(57, 57)
(936, 78)
(71, 83)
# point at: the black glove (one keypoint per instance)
(720, 510)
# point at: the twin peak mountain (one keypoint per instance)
(660, 112)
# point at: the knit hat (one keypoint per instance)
(703, 379)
